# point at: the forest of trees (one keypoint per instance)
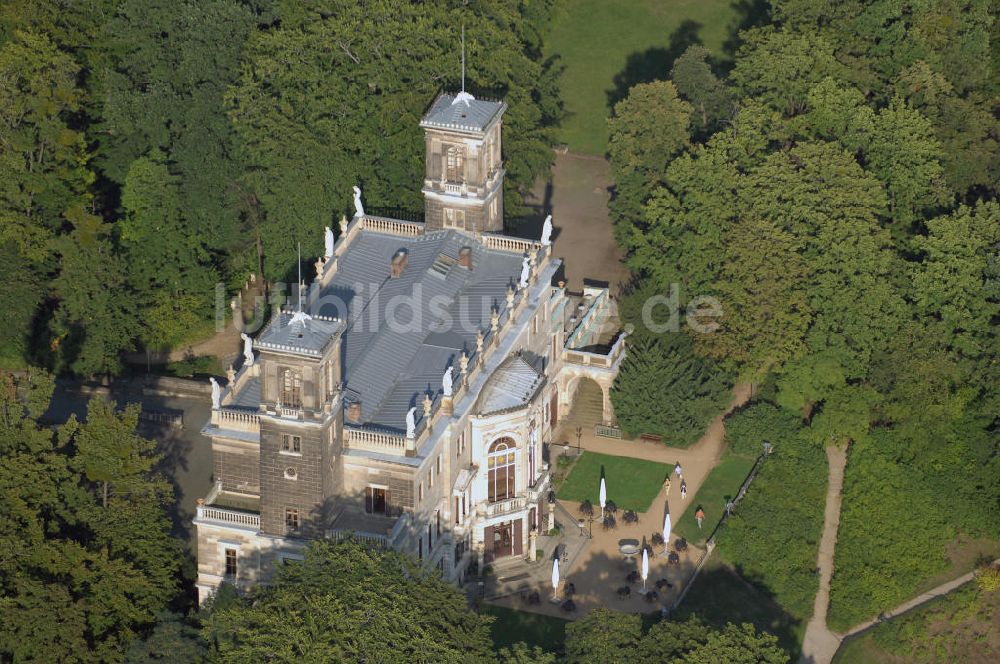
(153, 148)
(834, 187)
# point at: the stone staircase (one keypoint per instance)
(588, 407)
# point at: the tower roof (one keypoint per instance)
(463, 112)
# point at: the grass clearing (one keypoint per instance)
(959, 627)
(607, 45)
(631, 483)
(720, 485)
(511, 626)
(720, 595)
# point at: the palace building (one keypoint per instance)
(408, 398)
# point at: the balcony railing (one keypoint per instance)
(540, 487)
(228, 517)
(236, 420)
(377, 441)
(505, 506)
(588, 358)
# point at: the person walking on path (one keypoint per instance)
(677, 469)
(699, 516)
(684, 489)
(666, 485)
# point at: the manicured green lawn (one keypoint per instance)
(597, 40)
(722, 483)
(719, 595)
(535, 629)
(631, 483)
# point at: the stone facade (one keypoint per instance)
(469, 486)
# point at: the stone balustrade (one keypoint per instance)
(377, 441)
(229, 517)
(506, 506)
(511, 244)
(236, 420)
(392, 226)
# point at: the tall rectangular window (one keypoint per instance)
(291, 518)
(501, 475)
(376, 500)
(291, 388)
(231, 562)
(454, 163)
(437, 517)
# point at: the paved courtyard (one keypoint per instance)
(600, 568)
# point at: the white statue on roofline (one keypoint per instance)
(446, 383)
(547, 231)
(359, 209)
(411, 423)
(525, 272)
(328, 242)
(247, 349)
(216, 393)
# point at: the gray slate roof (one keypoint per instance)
(290, 333)
(389, 367)
(466, 114)
(511, 386)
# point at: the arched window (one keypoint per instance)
(501, 470)
(291, 388)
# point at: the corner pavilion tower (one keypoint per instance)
(463, 180)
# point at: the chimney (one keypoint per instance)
(465, 257)
(398, 263)
(354, 412)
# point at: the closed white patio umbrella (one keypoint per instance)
(666, 533)
(645, 567)
(555, 578)
(603, 497)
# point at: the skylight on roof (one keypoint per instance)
(442, 265)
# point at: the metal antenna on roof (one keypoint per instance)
(300, 316)
(463, 96)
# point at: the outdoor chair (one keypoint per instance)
(570, 590)
(630, 517)
(534, 598)
(624, 592)
(569, 606)
(652, 596)
(663, 584)
(633, 577)
(673, 558)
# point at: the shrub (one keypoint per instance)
(665, 389)
(772, 538)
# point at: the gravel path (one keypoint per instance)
(820, 644)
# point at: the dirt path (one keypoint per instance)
(820, 644)
(577, 195)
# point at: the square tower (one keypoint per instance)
(463, 181)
